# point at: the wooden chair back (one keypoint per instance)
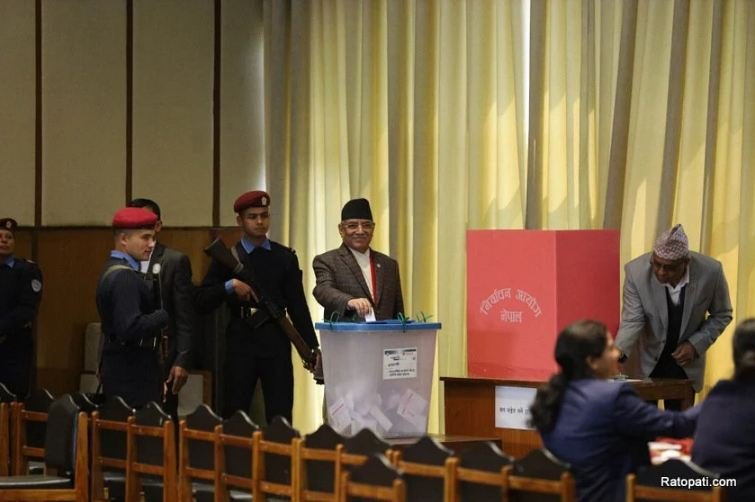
(428, 469)
(109, 448)
(151, 456)
(319, 456)
(540, 477)
(375, 479)
(29, 430)
(84, 402)
(233, 456)
(357, 449)
(7, 401)
(197, 439)
(480, 474)
(646, 484)
(275, 463)
(66, 454)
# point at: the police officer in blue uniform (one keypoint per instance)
(131, 323)
(256, 347)
(20, 293)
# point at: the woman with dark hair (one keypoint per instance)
(597, 425)
(725, 436)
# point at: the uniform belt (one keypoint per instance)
(147, 342)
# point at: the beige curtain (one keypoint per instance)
(450, 115)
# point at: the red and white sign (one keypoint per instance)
(524, 286)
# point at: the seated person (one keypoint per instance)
(597, 425)
(725, 435)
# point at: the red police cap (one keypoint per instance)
(255, 198)
(134, 217)
(8, 224)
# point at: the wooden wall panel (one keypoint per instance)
(24, 244)
(17, 109)
(242, 149)
(190, 242)
(172, 85)
(71, 261)
(83, 111)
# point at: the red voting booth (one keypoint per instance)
(524, 286)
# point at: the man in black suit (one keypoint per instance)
(171, 270)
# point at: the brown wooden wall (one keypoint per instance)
(71, 260)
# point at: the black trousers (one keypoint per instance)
(15, 364)
(244, 365)
(132, 373)
(667, 368)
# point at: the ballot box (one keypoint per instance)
(378, 375)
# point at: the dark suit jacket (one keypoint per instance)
(602, 431)
(177, 293)
(339, 279)
(725, 436)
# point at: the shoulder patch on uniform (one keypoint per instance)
(36, 285)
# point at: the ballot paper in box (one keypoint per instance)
(378, 375)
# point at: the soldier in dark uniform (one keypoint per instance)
(256, 347)
(173, 271)
(20, 293)
(131, 325)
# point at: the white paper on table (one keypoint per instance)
(370, 317)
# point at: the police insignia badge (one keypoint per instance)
(263, 201)
(36, 285)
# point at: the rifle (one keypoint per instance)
(311, 357)
(154, 275)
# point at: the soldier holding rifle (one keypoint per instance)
(131, 323)
(257, 344)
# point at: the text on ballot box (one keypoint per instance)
(378, 375)
(524, 286)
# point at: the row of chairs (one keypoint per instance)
(234, 459)
(133, 454)
(122, 454)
